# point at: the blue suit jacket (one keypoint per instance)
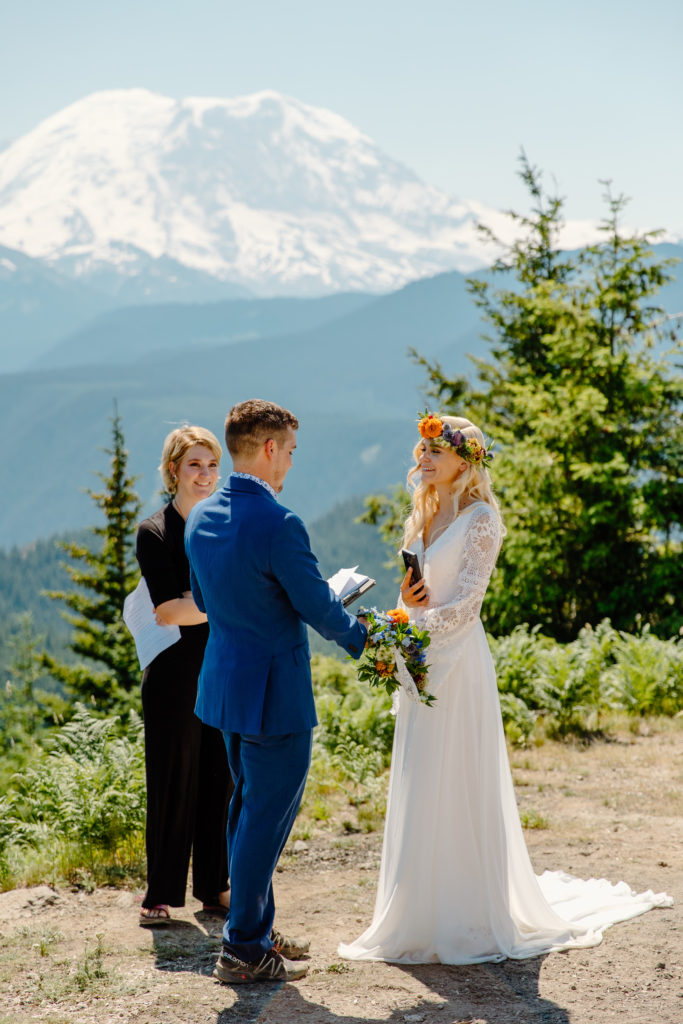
(254, 574)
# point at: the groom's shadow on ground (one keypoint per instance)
(493, 993)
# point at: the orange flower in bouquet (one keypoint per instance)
(398, 615)
(390, 634)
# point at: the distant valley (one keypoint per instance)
(349, 379)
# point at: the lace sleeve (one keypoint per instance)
(480, 551)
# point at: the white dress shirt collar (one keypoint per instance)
(257, 480)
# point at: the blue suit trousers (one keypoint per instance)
(270, 776)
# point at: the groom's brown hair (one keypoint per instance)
(250, 424)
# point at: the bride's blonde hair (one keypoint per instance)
(474, 483)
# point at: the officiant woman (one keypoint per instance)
(188, 780)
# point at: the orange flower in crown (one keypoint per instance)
(430, 426)
(398, 615)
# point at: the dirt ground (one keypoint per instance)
(612, 809)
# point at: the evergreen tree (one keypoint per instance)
(585, 409)
(102, 576)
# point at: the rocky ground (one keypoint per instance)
(612, 809)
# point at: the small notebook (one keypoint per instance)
(349, 584)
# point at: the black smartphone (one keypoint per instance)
(411, 561)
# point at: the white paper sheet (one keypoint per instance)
(348, 582)
(150, 638)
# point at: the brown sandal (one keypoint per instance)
(155, 917)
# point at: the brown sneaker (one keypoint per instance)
(273, 967)
(293, 949)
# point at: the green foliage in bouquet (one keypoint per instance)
(390, 636)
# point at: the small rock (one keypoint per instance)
(661, 965)
(300, 846)
(413, 1017)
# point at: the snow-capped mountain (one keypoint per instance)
(261, 191)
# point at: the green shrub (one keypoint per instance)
(519, 660)
(578, 681)
(571, 687)
(649, 674)
(519, 720)
(76, 807)
(350, 713)
(82, 800)
(352, 746)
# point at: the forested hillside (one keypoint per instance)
(25, 574)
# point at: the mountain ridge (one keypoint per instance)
(348, 379)
(129, 333)
(438, 306)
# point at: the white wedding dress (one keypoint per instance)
(456, 885)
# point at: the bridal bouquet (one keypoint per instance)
(391, 636)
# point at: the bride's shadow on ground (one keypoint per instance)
(496, 993)
(502, 993)
(493, 993)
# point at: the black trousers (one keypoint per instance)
(188, 787)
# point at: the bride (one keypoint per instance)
(456, 884)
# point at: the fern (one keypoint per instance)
(649, 674)
(88, 790)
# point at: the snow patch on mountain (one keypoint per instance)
(262, 191)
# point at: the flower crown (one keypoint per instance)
(435, 430)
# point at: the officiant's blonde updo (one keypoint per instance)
(473, 483)
(176, 447)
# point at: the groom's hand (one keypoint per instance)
(364, 622)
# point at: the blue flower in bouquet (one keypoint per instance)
(391, 634)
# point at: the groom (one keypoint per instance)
(253, 572)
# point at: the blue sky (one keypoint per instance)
(592, 90)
